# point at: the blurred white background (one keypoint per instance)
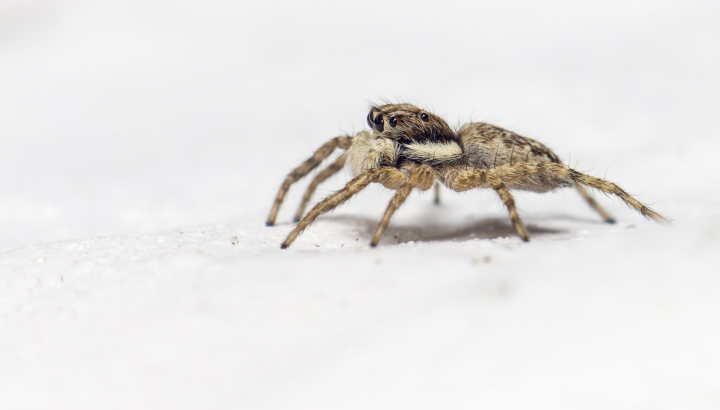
(138, 139)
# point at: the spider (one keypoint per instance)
(410, 148)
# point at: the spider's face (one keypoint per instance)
(407, 123)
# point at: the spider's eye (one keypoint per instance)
(369, 119)
(393, 122)
(424, 117)
(379, 124)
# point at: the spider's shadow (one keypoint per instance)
(429, 231)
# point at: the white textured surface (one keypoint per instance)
(142, 144)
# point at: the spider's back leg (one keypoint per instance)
(593, 204)
(520, 171)
(509, 202)
(473, 178)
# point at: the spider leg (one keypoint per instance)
(336, 199)
(517, 171)
(304, 168)
(593, 204)
(480, 178)
(460, 181)
(507, 198)
(437, 193)
(326, 173)
(421, 177)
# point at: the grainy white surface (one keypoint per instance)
(143, 142)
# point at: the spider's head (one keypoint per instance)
(407, 123)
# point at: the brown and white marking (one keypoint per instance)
(409, 148)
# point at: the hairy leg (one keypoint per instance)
(593, 204)
(304, 168)
(479, 178)
(319, 178)
(514, 172)
(509, 202)
(421, 177)
(381, 175)
(460, 181)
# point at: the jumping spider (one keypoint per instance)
(409, 148)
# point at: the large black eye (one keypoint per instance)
(424, 117)
(393, 122)
(369, 119)
(379, 124)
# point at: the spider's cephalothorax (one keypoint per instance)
(402, 135)
(408, 124)
(408, 148)
(417, 136)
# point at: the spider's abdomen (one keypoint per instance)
(488, 146)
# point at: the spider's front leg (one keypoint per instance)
(321, 154)
(389, 177)
(421, 177)
(326, 173)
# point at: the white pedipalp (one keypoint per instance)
(368, 152)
